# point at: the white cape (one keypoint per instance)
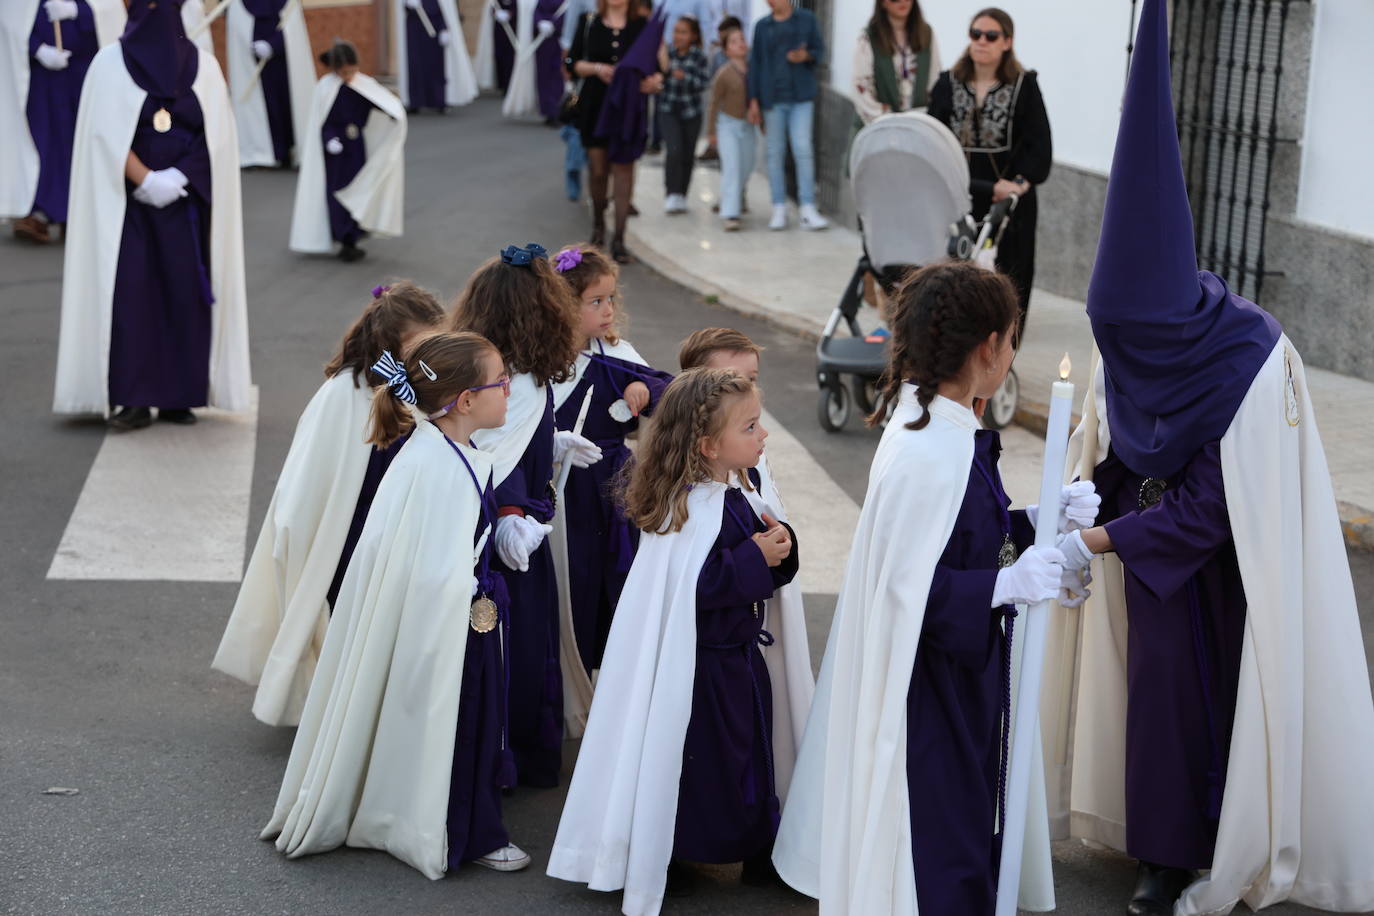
(373, 757)
(18, 155)
(460, 80)
(110, 105)
(845, 836)
(1298, 805)
(522, 95)
(376, 195)
(617, 825)
(250, 108)
(278, 624)
(486, 45)
(506, 444)
(192, 15)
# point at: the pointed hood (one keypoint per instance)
(1178, 348)
(624, 119)
(157, 53)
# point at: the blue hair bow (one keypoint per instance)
(396, 378)
(521, 257)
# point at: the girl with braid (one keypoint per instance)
(680, 760)
(895, 799)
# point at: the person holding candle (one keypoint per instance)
(1233, 732)
(271, 77)
(920, 647)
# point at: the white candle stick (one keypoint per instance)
(566, 467)
(1034, 621)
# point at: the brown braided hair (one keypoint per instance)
(527, 311)
(593, 266)
(669, 459)
(457, 359)
(391, 316)
(941, 314)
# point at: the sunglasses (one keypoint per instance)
(981, 34)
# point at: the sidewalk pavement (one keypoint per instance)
(794, 278)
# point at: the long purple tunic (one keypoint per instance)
(601, 542)
(727, 804)
(53, 99)
(161, 307)
(954, 704)
(1185, 607)
(425, 81)
(345, 122)
(536, 682)
(548, 60)
(504, 53)
(276, 85)
(377, 463)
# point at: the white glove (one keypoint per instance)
(59, 10)
(517, 537)
(444, 38)
(161, 187)
(262, 50)
(1034, 577)
(412, 4)
(1073, 586)
(1076, 553)
(502, 15)
(1079, 500)
(581, 451)
(545, 27)
(51, 58)
(334, 146)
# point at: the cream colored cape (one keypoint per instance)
(376, 195)
(845, 836)
(617, 825)
(277, 627)
(110, 105)
(460, 80)
(373, 757)
(522, 94)
(1298, 807)
(250, 108)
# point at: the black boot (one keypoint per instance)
(180, 416)
(619, 253)
(350, 253)
(681, 880)
(131, 418)
(759, 872)
(1157, 887)
(598, 238)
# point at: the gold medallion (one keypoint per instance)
(1006, 555)
(162, 121)
(483, 616)
(351, 132)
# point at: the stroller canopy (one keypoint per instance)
(910, 182)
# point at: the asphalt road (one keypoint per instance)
(105, 686)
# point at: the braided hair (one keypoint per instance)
(669, 459)
(942, 313)
(397, 310)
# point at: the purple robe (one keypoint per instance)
(727, 805)
(161, 304)
(548, 60)
(276, 85)
(345, 122)
(601, 541)
(954, 705)
(53, 99)
(425, 81)
(503, 52)
(1185, 608)
(536, 682)
(377, 463)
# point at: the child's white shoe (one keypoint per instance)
(779, 220)
(811, 218)
(508, 858)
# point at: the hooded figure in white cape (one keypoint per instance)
(153, 301)
(536, 81)
(1224, 728)
(432, 66)
(352, 178)
(271, 76)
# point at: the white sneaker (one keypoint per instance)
(811, 218)
(508, 858)
(779, 220)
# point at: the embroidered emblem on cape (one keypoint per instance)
(1151, 492)
(1291, 412)
(1007, 553)
(483, 616)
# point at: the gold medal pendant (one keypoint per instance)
(351, 132)
(162, 120)
(483, 616)
(1006, 555)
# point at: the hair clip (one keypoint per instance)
(567, 259)
(522, 257)
(395, 374)
(429, 373)
(378, 290)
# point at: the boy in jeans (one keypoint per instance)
(782, 97)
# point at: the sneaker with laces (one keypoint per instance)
(508, 858)
(779, 220)
(811, 218)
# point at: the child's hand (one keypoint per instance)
(799, 55)
(775, 543)
(636, 397)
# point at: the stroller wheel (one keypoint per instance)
(865, 391)
(832, 408)
(1002, 405)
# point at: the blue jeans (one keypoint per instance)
(790, 123)
(574, 161)
(735, 141)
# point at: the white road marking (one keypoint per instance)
(165, 503)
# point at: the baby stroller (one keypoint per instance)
(910, 182)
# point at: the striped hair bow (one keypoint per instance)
(396, 378)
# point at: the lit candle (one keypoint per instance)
(1034, 621)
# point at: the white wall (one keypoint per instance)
(1334, 188)
(1078, 50)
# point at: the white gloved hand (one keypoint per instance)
(502, 15)
(262, 50)
(334, 146)
(161, 187)
(1076, 553)
(581, 451)
(51, 58)
(412, 4)
(444, 38)
(1073, 586)
(517, 537)
(59, 10)
(1034, 577)
(545, 27)
(1080, 502)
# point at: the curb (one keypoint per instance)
(1357, 524)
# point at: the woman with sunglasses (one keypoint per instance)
(896, 63)
(993, 106)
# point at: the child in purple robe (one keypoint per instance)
(345, 148)
(601, 542)
(269, 48)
